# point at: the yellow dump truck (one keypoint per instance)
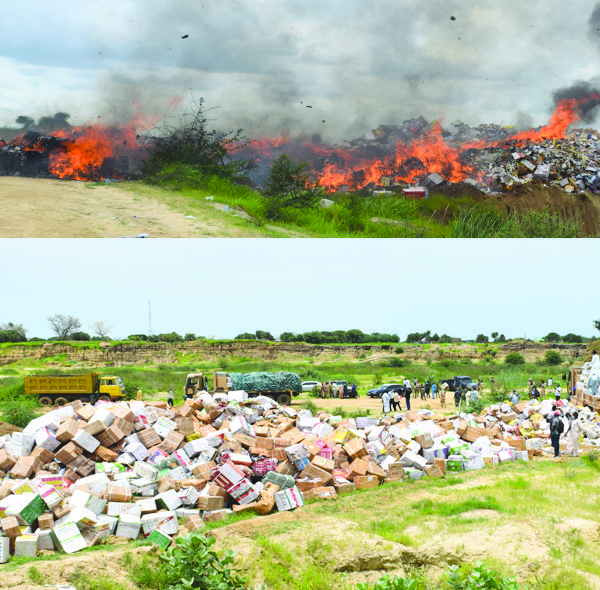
(62, 389)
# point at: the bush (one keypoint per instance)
(192, 151)
(399, 350)
(19, 412)
(514, 358)
(80, 336)
(289, 185)
(12, 336)
(192, 563)
(552, 358)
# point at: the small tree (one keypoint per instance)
(573, 338)
(101, 329)
(189, 337)
(289, 185)
(552, 358)
(552, 337)
(514, 358)
(501, 338)
(83, 336)
(16, 327)
(12, 336)
(262, 335)
(494, 335)
(63, 325)
(481, 338)
(287, 337)
(245, 336)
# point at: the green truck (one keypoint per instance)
(62, 389)
(280, 386)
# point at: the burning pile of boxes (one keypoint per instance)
(81, 473)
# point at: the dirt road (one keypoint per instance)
(49, 208)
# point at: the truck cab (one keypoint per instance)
(195, 382)
(111, 388)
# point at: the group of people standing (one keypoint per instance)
(573, 431)
(333, 390)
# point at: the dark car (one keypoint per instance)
(462, 382)
(379, 391)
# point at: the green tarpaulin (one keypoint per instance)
(266, 382)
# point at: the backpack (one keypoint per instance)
(557, 425)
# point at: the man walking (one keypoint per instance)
(171, 398)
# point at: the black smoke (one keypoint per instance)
(587, 96)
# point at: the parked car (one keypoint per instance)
(308, 385)
(379, 391)
(462, 382)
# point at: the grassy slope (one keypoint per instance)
(537, 520)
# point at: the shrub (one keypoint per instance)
(399, 350)
(514, 358)
(552, 358)
(289, 185)
(19, 412)
(192, 563)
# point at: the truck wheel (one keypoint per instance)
(104, 398)
(45, 401)
(190, 392)
(284, 399)
(61, 401)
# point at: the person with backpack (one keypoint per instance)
(557, 427)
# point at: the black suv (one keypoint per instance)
(392, 387)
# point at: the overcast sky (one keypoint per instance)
(220, 288)
(357, 63)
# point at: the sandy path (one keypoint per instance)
(49, 208)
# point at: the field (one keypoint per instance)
(537, 521)
(49, 208)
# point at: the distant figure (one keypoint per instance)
(443, 388)
(557, 427)
(396, 402)
(353, 392)
(433, 390)
(315, 390)
(473, 397)
(171, 398)
(139, 395)
(514, 397)
(385, 398)
(493, 384)
(549, 383)
(345, 390)
(457, 396)
(557, 392)
(574, 432)
(407, 392)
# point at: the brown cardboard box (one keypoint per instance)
(311, 447)
(262, 431)
(149, 437)
(440, 463)
(115, 493)
(44, 455)
(462, 426)
(198, 484)
(24, 467)
(172, 441)
(279, 454)
(286, 468)
(366, 482)
(106, 454)
(446, 425)
(293, 435)
(45, 521)
(344, 488)
(322, 463)
(244, 439)
(356, 448)
(185, 411)
(123, 412)
(264, 442)
(85, 412)
(67, 430)
(203, 470)
(210, 502)
(517, 442)
(10, 526)
(358, 467)
(6, 461)
(185, 425)
(424, 440)
(112, 435)
(67, 453)
(60, 511)
(212, 489)
(374, 469)
(193, 523)
(472, 434)
(396, 470)
(166, 483)
(433, 471)
(95, 427)
(313, 472)
(321, 493)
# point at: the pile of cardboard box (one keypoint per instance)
(80, 473)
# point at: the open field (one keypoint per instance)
(537, 521)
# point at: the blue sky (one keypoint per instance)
(262, 61)
(219, 288)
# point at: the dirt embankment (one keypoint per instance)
(198, 351)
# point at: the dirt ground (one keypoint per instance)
(49, 208)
